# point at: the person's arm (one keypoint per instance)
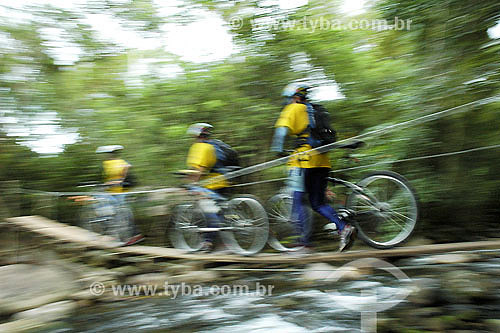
(195, 177)
(280, 134)
(283, 127)
(201, 157)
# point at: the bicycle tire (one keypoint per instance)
(88, 219)
(282, 232)
(378, 222)
(249, 225)
(185, 220)
(123, 224)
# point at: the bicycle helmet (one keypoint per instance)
(109, 149)
(200, 130)
(296, 89)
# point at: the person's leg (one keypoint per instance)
(136, 236)
(212, 214)
(316, 184)
(299, 217)
(121, 199)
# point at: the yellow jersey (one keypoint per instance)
(115, 170)
(202, 156)
(294, 116)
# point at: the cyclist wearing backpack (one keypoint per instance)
(116, 174)
(210, 158)
(308, 172)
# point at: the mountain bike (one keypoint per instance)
(241, 221)
(383, 207)
(105, 213)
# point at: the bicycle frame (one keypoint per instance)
(355, 189)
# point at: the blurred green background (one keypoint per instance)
(78, 74)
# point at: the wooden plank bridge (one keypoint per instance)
(71, 234)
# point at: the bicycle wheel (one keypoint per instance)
(185, 221)
(121, 225)
(90, 219)
(386, 210)
(283, 234)
(249, 225)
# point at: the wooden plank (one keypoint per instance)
(74, 234)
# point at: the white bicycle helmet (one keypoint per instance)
(109, 149)
(200, 129)
(296, 89)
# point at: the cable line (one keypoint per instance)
(325, 148)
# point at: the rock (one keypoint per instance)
(436, 324)
(24, 287)
(27, 326)
(388, 325)
(151, 279)
(83, 295)
(128, 270)
(463, 286)
(469, 315)
(175, 269)
(326, 272)
(493, 324)
(418, 241)
(195, 277)
(101, 258)
(48, 312)
(451, 258)
(426, 291)
(102, 274)
(194, 265)
(426, 312)
(287, 303)
(107, 277)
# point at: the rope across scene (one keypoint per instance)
(325, 148)
(322, 149)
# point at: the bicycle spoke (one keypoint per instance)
(401, 215)
(386, 209)
(395, 222)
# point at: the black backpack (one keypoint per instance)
(130, 180)
(322, 133)
(226, 155)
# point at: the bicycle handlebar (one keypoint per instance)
(93, 184)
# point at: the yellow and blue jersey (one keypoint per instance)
(294, 116)
(115, 169)
(202, 156)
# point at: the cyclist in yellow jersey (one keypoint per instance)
(115, 171)
(202, 157)
(308, 172)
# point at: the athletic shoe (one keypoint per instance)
(331, 228)
(346, 237)
(134, 240)
(206, 247)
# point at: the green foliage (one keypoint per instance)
(446, 59)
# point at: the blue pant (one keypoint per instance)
(213, 219)
(315, 184)
(121, 200)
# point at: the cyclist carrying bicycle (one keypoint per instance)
(202, 159)
(307, 172)
(115, 170)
